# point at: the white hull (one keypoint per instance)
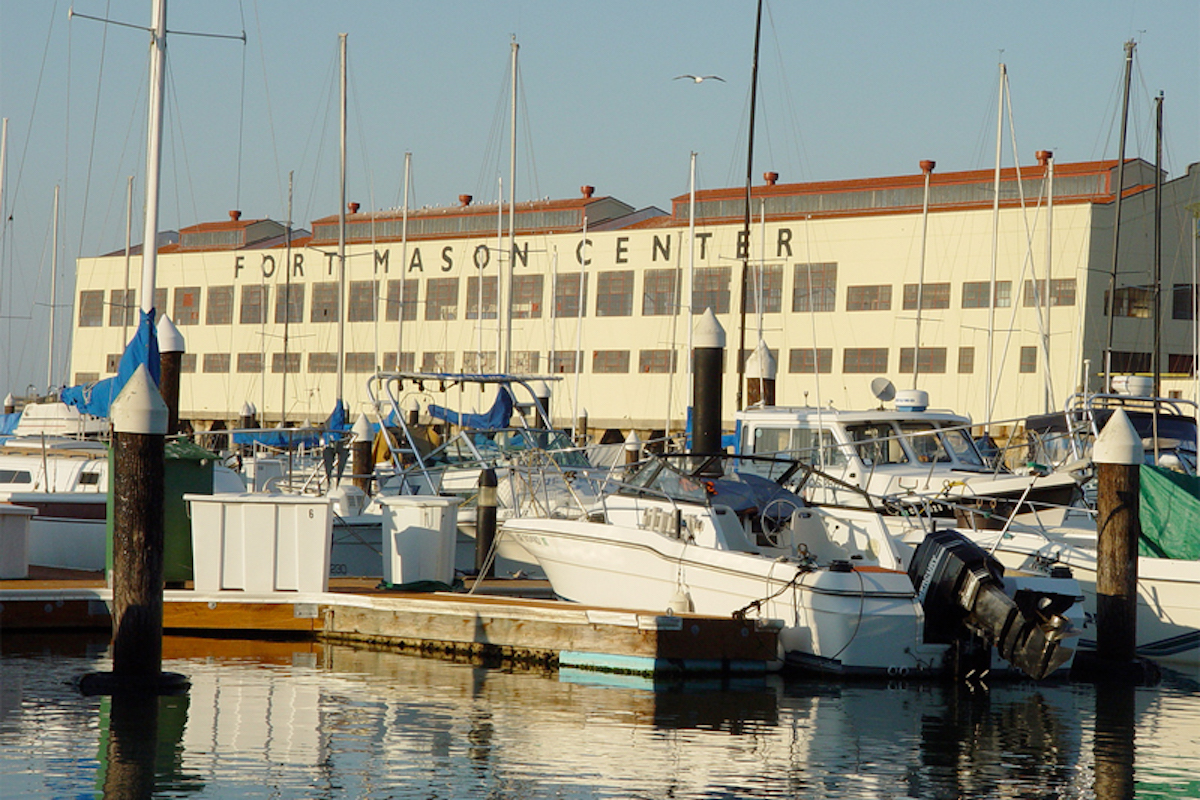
(862, 622)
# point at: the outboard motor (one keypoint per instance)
(961, 589)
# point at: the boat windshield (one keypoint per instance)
(877, 444)
(963, 447)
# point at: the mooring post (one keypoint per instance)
(1118, 454)
(485, 524)
(581, 428)
(708, 357)
(633, 450)
(171, 348)
(760, 376)
(139, 418)
(10, 403)
(413, 413)
(362, 464)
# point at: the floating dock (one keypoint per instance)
(500, 620)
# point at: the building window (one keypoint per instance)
(91, 308)
(525, 362)
(220, 306)
(975, 294)
(966, 360)
(285, 362)
(1180, 363)
(711, 290)
(325, 304)
(253, 310)
(765, 281)
(1061, 293)
(289, 303)
(865, 359)
(112, 362)
(1132, 301)
(473, 362)
(216, 362)
(360, 363)
(814, 287)
(364, 296)
(441, 298)
(437, 362)
(656, 361)
(322, 362)
(932, 360)
(408, 362)
(86, 377)
(1124, 361)
(1003, 294)
(810, 360)
(473, 298)
(187, 364)
(614, 294)
(1028, 359)
(932, 295)
(122, 309)
(250, 362)
(869, 298)
(564, 362)
(567, 295)
(610, 361)
(187, 305)
(392, 313)
(526, 297)
(659, 292)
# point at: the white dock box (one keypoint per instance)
(14, 540)
(418, 538)
(260, 542)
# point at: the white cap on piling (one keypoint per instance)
(632, 441)
(708, 333)
(170, 340)
(362, 429)
(541, 389)
(247, 409)
(139, 408)
(9, 400)
(1118, 442)
(761, 364)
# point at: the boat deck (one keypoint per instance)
(501, 620)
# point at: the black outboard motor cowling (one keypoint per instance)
(961, 588)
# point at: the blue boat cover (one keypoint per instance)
(97, 398)
(8, 423)
(283, 438)
(498, 417)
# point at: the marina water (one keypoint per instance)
(304, 720)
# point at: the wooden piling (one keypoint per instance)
(171, 348)
(1117, 455)
(485, 524)
(362, 461)
(760, 376)
(708, 356)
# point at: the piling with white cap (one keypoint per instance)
(171, 348)
(708, 358)
(1118, 454)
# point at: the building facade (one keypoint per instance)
(993, 302)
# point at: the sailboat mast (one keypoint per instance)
(158, 58)
(287, 303)
(691, 282)
(927, 168)
(741, 361)
(53, 296)
(991, 331)
(341, 252)
(1156, 356)
(403, 267)
(128, 255)
(512, 199)
(1112, 278)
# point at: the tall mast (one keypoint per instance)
(287, 303)
(991, 331)
(1112, 278)
(158, 57)
(53, 296)
(128, 258)
(3, 216)
(926, 168)
(341, 253)
(512, 199)
(691, 285)
(1049, 159)
(1155, 355)
(403, 266)
(741, 362)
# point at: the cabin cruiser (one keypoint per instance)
(909, 456)
(722, 535)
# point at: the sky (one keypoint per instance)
(845, 90)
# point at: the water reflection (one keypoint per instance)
(298, 720)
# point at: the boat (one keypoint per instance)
(721, 535)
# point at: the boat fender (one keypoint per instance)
(681, 603)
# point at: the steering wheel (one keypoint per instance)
(773, 525)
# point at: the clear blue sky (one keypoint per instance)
(854, 89)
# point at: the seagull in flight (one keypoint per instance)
(700, 78)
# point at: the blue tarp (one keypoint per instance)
(8, 423)
(498, 417)
(97, 398)
(728, 440)
(282, 439)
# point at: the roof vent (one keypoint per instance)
(1044, 156)
(465, 199)
(235, 215)
(927, 166)
(770, 178)
(587, 190)
(354, 208)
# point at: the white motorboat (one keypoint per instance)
(722, 536)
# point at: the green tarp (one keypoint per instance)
(1170, 514)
